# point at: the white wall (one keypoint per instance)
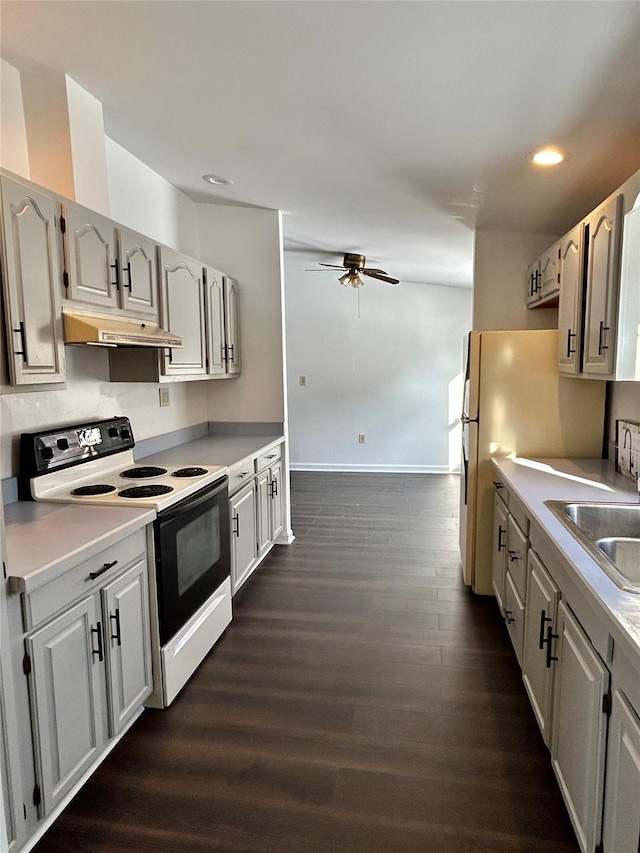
(144, 201)
(245, 242)
(384, 362)
(14, 154)
(500, 263)
(88, 156)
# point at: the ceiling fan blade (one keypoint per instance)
(317, 270)
(368, 270)
(333, 266)
(386, 278)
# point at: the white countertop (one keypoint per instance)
(213, 450)
(537, 481)
(44, 540)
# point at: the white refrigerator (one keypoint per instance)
(516, 404)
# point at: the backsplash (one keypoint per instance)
(628, 448)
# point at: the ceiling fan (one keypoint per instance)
(355, 266)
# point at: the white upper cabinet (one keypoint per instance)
(570, 306)
(183, 312)
(223, 324)
(107, 267)
(550, 272)
(138, 273)
(31, 276)
(92, 274)
(603, 229)
(232, 324)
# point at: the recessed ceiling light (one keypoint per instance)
(218, 180)
(547, 156)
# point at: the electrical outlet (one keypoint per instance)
(303, 380)
(165, 398)
(362, 438)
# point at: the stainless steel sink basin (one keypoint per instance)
(604, 520)
(610, 533)
(624, 553)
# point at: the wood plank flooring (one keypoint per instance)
(361, 700)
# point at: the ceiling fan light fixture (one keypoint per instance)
(351, 278)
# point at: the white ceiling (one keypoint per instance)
(390, 128)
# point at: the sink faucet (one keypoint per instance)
(627, 432)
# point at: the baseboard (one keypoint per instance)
(369, 469)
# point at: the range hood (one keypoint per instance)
(108, 331)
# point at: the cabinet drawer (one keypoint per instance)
(519, 513)
(64, 590)
(240, 473)
(270, 457)
(517, 547)
(514, 614)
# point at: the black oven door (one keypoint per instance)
(192, 555)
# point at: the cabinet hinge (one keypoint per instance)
(206, 363)
(37, 796)
(65, 278)
(606, 703)
(63, 225)
(26, 664)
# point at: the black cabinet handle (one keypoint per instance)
(601, 344)
(116, 268)
(128, 284)
(513, 555)
(543, 621)
(548, 640)
(501, 532)
(570, 350)
(105, 568)
(508, 615)
(23, 340)
(271, 456)
(498, 485)
(231, 349)
(99, 651)
(225, 352)
(236, 525)
(115, 617)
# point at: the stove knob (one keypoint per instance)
(47, 452)
(113, 432)
(125, 433)
(63, 444)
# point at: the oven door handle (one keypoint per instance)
(194, 501)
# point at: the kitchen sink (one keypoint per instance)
(610, 533)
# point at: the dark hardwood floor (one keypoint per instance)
(361, 700)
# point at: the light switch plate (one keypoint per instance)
(628, 449)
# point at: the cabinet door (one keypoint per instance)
(90, 261)
(550, 271)
(570, 305)
(32, 274)
(276, 495)
(183, 313)
(68, 697)
(263, 512)
(243, 535)
(539, 628)
(125, 609)
(533, 282)
(622, 798)
(517, 547)
(579, 727)
(499, 552)
(138, 274)
(216, 346)
(232, 325)
(514, 615)
(603, 271)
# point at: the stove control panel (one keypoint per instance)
(62, 447)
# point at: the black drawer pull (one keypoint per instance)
(99, 651)
(508, 615)
(548, 640)
(115, 617)
(105, 568)
(513, 555)
(497, 483)
(501, 542)
(543, 620)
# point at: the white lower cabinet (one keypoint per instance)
(514, 611)
(243, 535)
(579, 731)
(256, 511)
(621, 830)
(499, 553)
(539, 636)
(90, 670)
